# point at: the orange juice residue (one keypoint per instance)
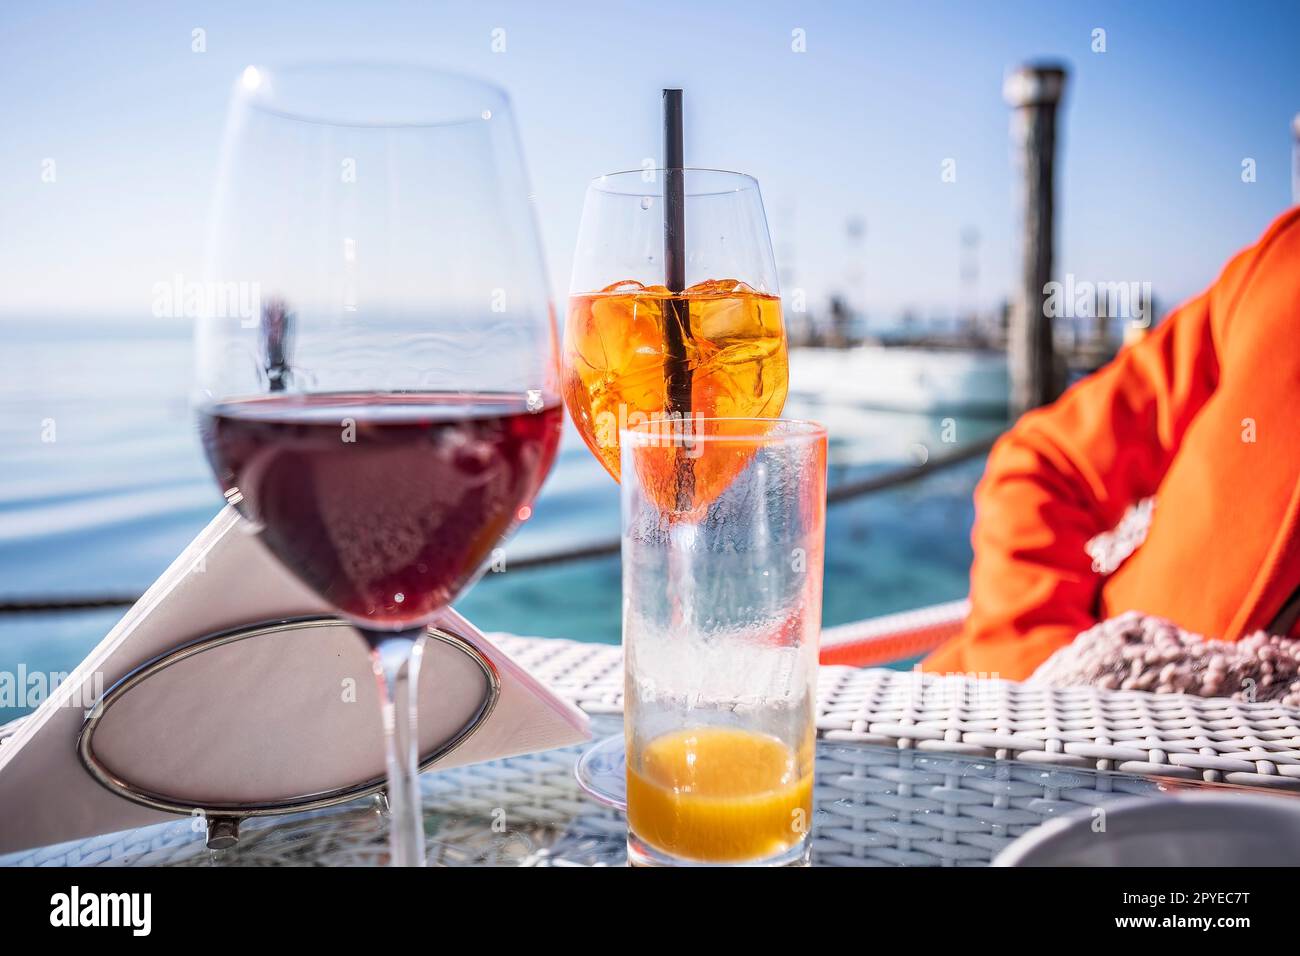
(719, 794)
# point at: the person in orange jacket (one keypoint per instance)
(1203, 418)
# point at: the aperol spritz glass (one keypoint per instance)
(636, 349)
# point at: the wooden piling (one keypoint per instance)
(1034, 91)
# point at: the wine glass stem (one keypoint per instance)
(395, 657)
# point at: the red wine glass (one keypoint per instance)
(376, 351)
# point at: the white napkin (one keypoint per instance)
(264, 718)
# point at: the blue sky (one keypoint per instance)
(1155, 129)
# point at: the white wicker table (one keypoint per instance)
(910, 771)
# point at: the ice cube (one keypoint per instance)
(624, 285)
(720, 287)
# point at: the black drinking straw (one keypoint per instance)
(677, 326)
(677, 317)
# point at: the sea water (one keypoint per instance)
(102, 483)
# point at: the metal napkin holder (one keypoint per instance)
(223, 818)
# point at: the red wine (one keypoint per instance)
(386, 505)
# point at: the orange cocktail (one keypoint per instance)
(618, 362)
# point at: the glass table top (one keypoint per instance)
(873, 806)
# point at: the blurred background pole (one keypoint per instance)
(1034, 91)
(1295, 160)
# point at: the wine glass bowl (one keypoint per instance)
(377, 379)
(385, 504)
(403, 246)
(636, 348)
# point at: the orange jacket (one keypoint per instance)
(1204, 415)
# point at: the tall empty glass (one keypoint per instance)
(722, 610)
